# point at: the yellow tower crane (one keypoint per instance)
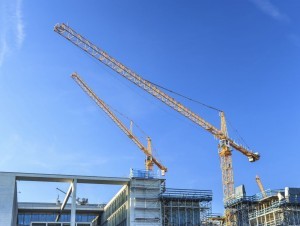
(225, 142)
(150, 159)
(261, 187)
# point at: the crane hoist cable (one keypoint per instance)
(241, 139)
(188, 98)
(132, 123)
(225, 142)
(150, 159)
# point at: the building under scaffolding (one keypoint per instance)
(273, 207)
(185, 207)
(150, 203)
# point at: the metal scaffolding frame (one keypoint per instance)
(278, 207)
(215, 220)
(184, 207)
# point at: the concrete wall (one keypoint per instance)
(144, 203)
(116, 211)
(135, 205)
(8, 200)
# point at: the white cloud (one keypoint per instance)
(22, 153)
(269, 9)
(11, 27)
(19, 23)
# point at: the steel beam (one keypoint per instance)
(62, 207)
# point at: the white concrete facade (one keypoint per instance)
(145, 206)
(135, 204)
(8, 190)
(8, 200)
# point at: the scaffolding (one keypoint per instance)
(239, 209)
(185, 207)
(215, 220)
(145, 208)
(277, 207)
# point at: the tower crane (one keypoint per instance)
(260, 185)
(225, 142)
(150, 159)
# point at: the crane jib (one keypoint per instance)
(107, 110)
(96, 52)
(121, 69)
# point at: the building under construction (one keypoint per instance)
(268, 208)
(143, 200)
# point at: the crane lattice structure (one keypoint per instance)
(225, 142)
(150, 159)
(260, 186)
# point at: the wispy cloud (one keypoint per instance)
(19, 152)
(19, 23)
(11, 27)
(270, 9)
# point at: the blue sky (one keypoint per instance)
(239, 56)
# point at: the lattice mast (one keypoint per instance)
(127, 73)
(150, 159)
(226, 162)
(260, 186)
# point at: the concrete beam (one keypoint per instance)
(67, 178)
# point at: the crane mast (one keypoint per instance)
(150, 159)
(226, 161)
(225, 141)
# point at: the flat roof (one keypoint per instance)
(67, 178)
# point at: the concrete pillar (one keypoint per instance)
(8, 200)
(73, 205)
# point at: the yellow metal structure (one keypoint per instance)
(225, 142)
(226, 161)
(261, 187)
(150, 159)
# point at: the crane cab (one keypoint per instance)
(224, 148)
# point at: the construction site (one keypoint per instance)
(142, 200)
(145, 198)
(270, 207)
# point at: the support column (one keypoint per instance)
(73, 205)
(8, 200)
